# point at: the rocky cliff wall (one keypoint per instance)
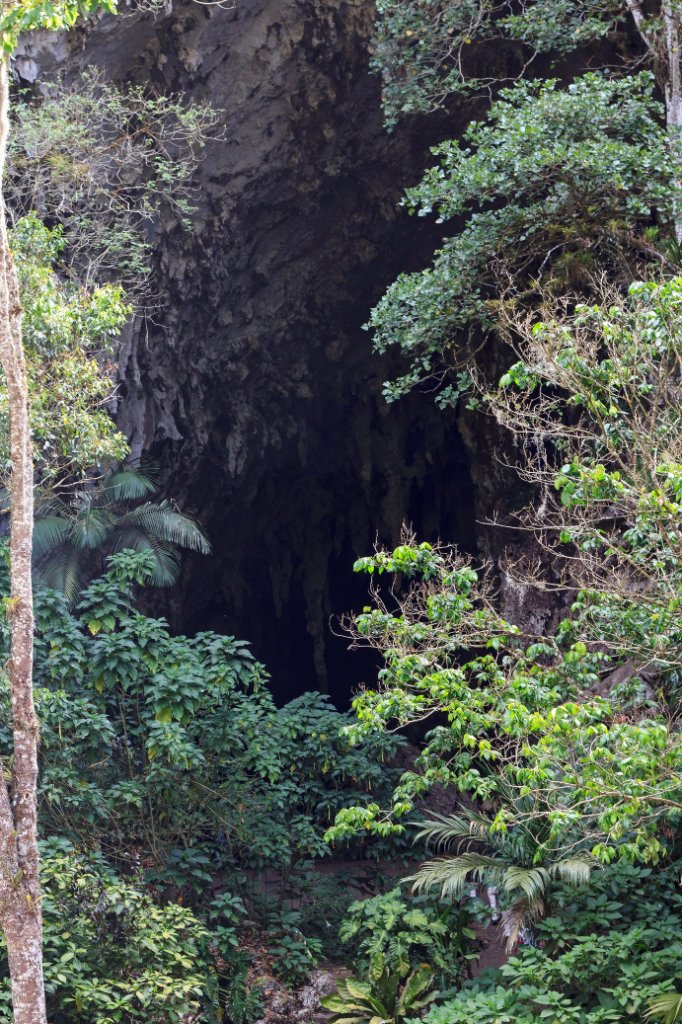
(255, 388)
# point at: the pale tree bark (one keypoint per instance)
(20, 909)
(673, 100)
(639, 18)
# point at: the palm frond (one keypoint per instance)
(50, 505)
(127, 485)
(450, 874)
(575, 870)
(444, 830)
(67, 570)
(667, 1007)
(126, 538)
(91, 521)
(166, 563)
(532, 882)
(148, 466)
(91, 529)
(49, 533)
(162, 521)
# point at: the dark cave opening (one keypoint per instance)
(281, 573)
(304, 466)
(259, 394)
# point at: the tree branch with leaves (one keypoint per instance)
(583, 726)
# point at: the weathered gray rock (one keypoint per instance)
(302, 1006)
(256, 389)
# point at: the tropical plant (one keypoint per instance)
(20, 894)
(399, 932)
(69, 337)
(321, 899)
(427, 53)
(666, 1008)
(242, 998)
(107, 164)
(582, 723)
(171, 748)
(608, 951)
(294, 954)
(525, 224)
(519, 861)
(73, 535)
(384, 998)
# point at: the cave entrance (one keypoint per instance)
(281, 572)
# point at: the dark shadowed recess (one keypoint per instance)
(281, 571)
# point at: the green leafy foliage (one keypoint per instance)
(69, 337)
(607, 952)
(383, 998)
(73, 535)
(243, 1000)
(614, 475)
(312, 902)
(428, 51)
(519, 861)
(174, 746)
(112, 955)
(27, 15)
(294, 954)
(556, 185)
(576, 731)
(395, 932)
(111, 166)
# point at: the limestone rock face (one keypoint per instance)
(255, 386)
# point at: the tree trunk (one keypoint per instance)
(673, 102)
(25, 954)
(20, 911)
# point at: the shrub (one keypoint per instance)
(553, 188)
(113, 955)
(170, 751)
(397, 933)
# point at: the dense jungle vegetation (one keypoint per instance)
(183, 817)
